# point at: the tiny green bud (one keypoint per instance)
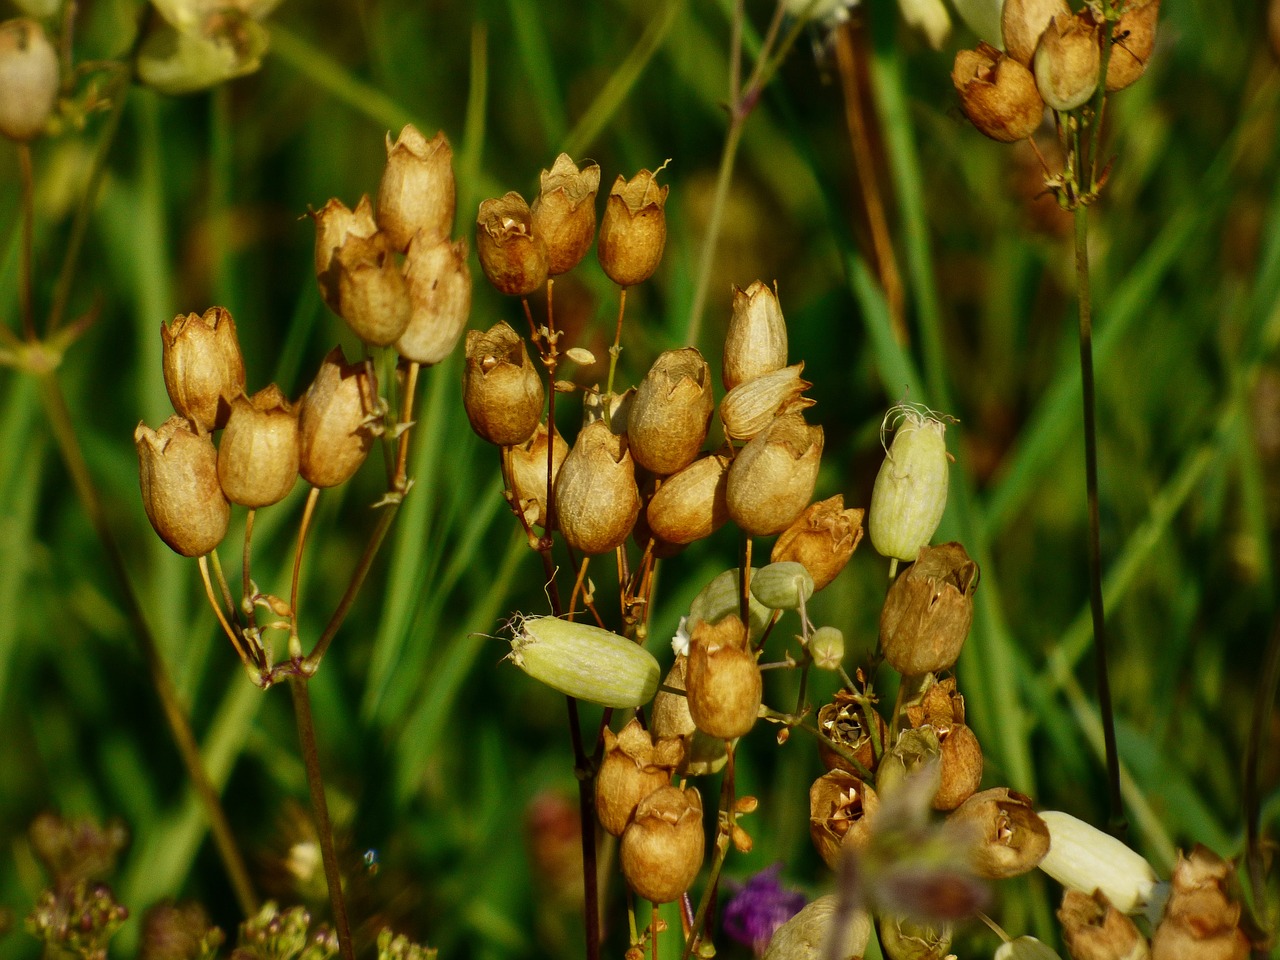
(910, 492)
(827, 648)
(584, 662)
(782, 586)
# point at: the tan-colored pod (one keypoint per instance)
(844, 723)
(928, 611)
(752, 405)
(1093, 928)
(805, 936)
(258, 456)
(669, 416)
(501, 390)
(723, 682)
(841, 809)
(1009, 838)
(203, 366)
(671, 717)
(1202, 917)
(597, 500)
(564, 213)
(1068, 61)
(336, 421)
(439, 283)
(634, 765)
(942, 708)
(773, 476)
(823, 538)
(525, 471)
(755, 342)
(690, 505)
(1133, 41)
(28, 79)
(178, 473)
(334, 225)
(997, 93)
(634, 229)
(417, 192)
(373, 297)
(663, 847)
(1022, 22)
(512, 255)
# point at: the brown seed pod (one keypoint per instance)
(178, 473)
(841, 808)
(417, 192)
(439, 283)
(844, 722)
(525, 470)
(723, 681)
(334, 428)
(513, 257)
(1010, 838)
(501, 390)
(334, 224)
(928, 611)
(634, 229)
(634, 765)
(773, 476)
(755, 342)
(597, 500)
(997, 93)
(1093, 928)
(1022, 22)
(690, 505)
(663, 847)
(1068, 61)
(203, 366)
(1202, 915)
(373, 297)
(752, 405)
(258, 457)
(671, 411)
(941, 708)
(823, 538)
(1133, 40)
(564, 213)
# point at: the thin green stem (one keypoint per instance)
(694, 329)
(1254, 854)
(26, 297)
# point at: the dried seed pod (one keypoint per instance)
(822, 538)
(1022, 22)
(804, 936)
(597, 500)
(178, 473)
(1010, 838)
(634, 765)
(258, 457)
(1133, 41)
(663, 847)
(564, 213)
(723, 680)
(902, 938)
(512, 255)
(203, 366)
(373, 297)
(584, 662)
(690, 505)
(941, 709)
(997, 94)
(752, 405)
(28, 79)
(501, 390)
(782, 586)
(844, 722)
(525, 470)
(928, 611)
(671, 411)
(910, 493)
(773, 476)
(634, 229)
(417, 192)
(671, 716)
(1202, 916)
(755, 342)
(1068, 61)
(1081, 857)
(439, 283)
(841, 808)
(1093, 929)
(334, 225)
(334, 421)
(913, 762)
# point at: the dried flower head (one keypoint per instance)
(564, 213)
(690, 505)
(997, 93)
(634, 229)
(334, 225)
(512, 255)
(928, 611)
(258, 457)
(203, 366)
(501, 390)
(841, 809)
(178, 472)
(634, 765)
(1133, 42)
(663, 847)
(773, 476)
(336, 421)
(723, 679)
(1011, 838)
(755, 342)
(823, 538)
(597, 500)
(417, 192)
(439, 283)
(671, 411)
(1068, 61)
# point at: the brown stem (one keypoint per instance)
(304, 527)
(26, 296)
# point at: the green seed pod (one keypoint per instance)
(782, 586)
(904, 939)
(721, 597)
(584, 662)
(827, 648)
(910, 493)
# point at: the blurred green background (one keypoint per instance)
(443, 762)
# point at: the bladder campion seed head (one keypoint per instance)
(928, 611)
(634, 766)
(1010, 839)
(634, 228)
(1022, 22)
(417, 193)
(690, 505)
(1093, 929)
(512, 255)
(597, 500)
(844, 723)
(997, 94)
(525, 470)
(178, 472)
(203, 366)
(751, 406)
(671, 411)
(1068, 61)
(501, 391)
(1202, 916)
(902, 938)
(841, 809)
(334, 224)
(756, 341)
(773, 476)
(1133, 40)
(782, 586)
(564, 213)
(913, 762)
(941, 708)
(1081, 857)
(723, 681)
(335, 430)
(258, 456)
(584, 661)
(823, 538)
(373, 297)
(910, 492)
(663, 847)
(804, 936)
(28, 79)
(439, 282)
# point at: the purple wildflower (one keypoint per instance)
(760, 907)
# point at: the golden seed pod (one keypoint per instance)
(773, 476)
(1022, 22)
(634, 765)
(1068, 61)
(1202, 916)
(910, 492)
(178, 473)
(670, 717)
(841, 808)
(928, 611)
(439, 283)
(258, 457)
(782, 586)
(597, 500)
(512, 255)
(723, 680)
(1010, 838)
(756, 341)
(1136, 29)
(564, 213)
(663, 847)
(501, 391)
(634, 229)
(1082, 857)
(822, 538)
(417, 192)
(373, 297)
(805, 936)
(203, 366)
(941, 709)
(334, 421)
(844, 722)
(525, 471)
(618, 405)
(752, 405)
(671, 411)
(28, 79)
(690, 505)
(902, 938)
(997, 93)
(1092, 929)
(334, 225)
(584, 662)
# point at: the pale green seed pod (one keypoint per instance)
(584, 662)
(910, 493)
(721, 597)
(905, 939)
(1081, 857)
(782, 586)
(805, 936)
(826, 646)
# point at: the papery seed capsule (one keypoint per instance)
(373, 297)
(1010, 838)
(773, 476)
(902, 938)
(525, 471)
(670, 717)
(823, 538)
(501, 390)
(1068, 61)
(417, 192)
(997, 94)
(913, 762)
(584, 662)
(203, 366)
(564, 213)
(178, 473)
(690, 505)
(804, 936)
(1092, 927)
(755, 342)
(1133, 42)
(1022, 22)
(662, 849)
(513, 257)
(633, 766)
(597, 500)
(910, 492)
(258, 457)
(928, 611)
(671, 411)
(1081, 857)
(334, 224)
(782, 586)
(28, 79)
(1202, 918)
(634, 229)
(723, 681)
(941, 709)
(439, 283)
(844, 722)
(752, 405)
(841, 808)
(334, 428)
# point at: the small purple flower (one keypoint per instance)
(760, 907)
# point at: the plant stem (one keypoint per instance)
(1116, 820)
(1262, 706)
(320, 807)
